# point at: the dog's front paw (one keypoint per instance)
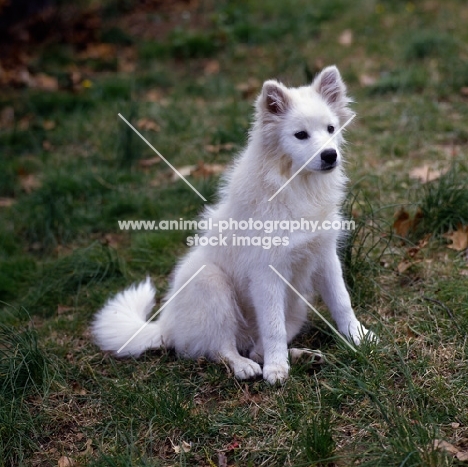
(245, 368)
(275, 373)
(360, 333)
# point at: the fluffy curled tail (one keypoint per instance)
(121, 328)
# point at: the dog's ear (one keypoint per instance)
(274, 97)
(330, 86)
(333, 90)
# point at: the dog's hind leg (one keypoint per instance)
(206, 321)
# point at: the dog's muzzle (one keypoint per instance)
(328, 158)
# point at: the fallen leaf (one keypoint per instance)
(426, 173)
(182, 447)
(23, 124)
(145, 163)
(445, 446)
(215, 148)
(459, 238)
(206, 170)
(249, 88)
(29, 183)
(404, 266)
(185, 171)
(65, 461)
(455, 425)
(62, 309)
(367, 80)
(211, 67)
(48, 125)
(403, 223)
(98, 51)
(346, 37)
(88, 449)
(153, 96)
(6, 202)
(147, 124)
(44, 82)
(46, 145)
(462, 456)
(114, 240)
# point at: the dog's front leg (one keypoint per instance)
(333, 290)
(269, 299)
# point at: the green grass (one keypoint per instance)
(62, 253)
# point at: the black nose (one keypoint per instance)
(328, 156)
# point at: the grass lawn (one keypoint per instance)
(186, 75)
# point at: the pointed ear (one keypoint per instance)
(274, 98)
(330, 86)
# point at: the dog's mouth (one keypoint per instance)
(327, 167)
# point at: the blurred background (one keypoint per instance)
(185, 73)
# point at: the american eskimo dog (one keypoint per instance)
(237, 308)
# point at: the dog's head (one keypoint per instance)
(306, 122)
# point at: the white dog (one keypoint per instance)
(237, 304)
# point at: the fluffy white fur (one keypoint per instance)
(237, 304)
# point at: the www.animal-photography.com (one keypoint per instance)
(233, 233)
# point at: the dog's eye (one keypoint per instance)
(301, 135)
(330, 129)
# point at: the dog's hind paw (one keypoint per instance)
(314, 357)
(275, 373)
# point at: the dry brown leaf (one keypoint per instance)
(65, 461)
(88, 449)
(445, 446)
(184, 447)
(367, 80)
(185, 171)
(23, 124)
(249, 88)
(402, 223)
(215, 148)
(6, 202)
(29, 183)
(147, 124)
(98, 51)
(44, 82)
(426, 173)
(153, 96)
(346, 38)
(62, 309)
(114, 240)
(48, 125)
(462, 456)
(404, 266)
(206, 170)
(459, 238)
(211, 67)
(46, 145)
(145, 163)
